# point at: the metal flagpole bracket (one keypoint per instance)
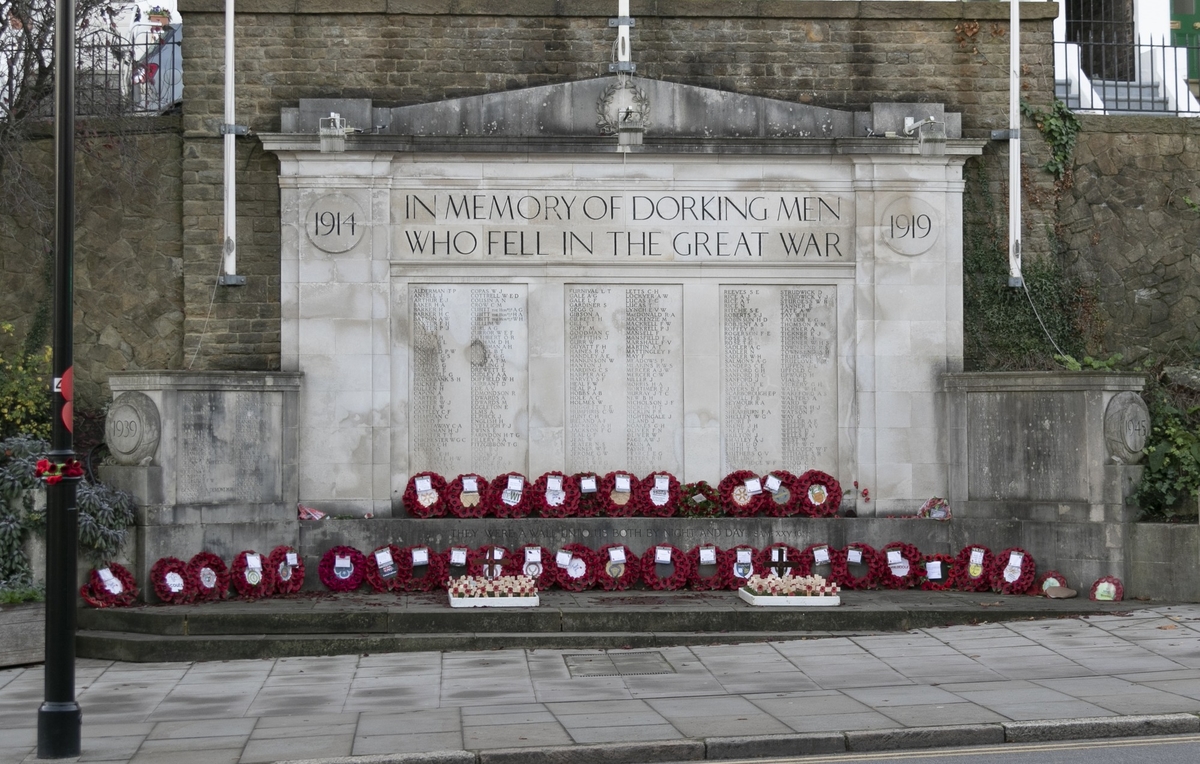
(1006, 135)
(622, 66)
(234, 129)
(622, 21)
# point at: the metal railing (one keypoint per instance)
(114, 76)
(1126, 77)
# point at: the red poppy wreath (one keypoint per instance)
(538, 563)
(208, 576)
(663, 555)
(491, 561)
(382, 568)
(708, 574)
(555, 495)
(109, 586)
(1107, 589)
(971, 568)
(864, 558)
(783, 492)
(818, 559)
(1013, 571)
(342, 569)
(901, 565)
(699, 500)
(576, 567)
(1048, 579)
(508, 496)
(591, 503)
(820, 494)
(739, 564)
(937, 572)
(658, 494)
(250, 577)
(424, 495)
(739, 496)
(619, 567)
(420, 569)
(619, 494)
(464, 495)
(289, 569)
(169, 578)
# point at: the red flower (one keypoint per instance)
(43, 466)
(820, 494)
(159, 573)
(567, 504)
(466, 505)
(609, 494)
(647, 496)
(680, 575)
(1022, 578)
(288, 578)
(213, 585)
(973, 576)
(53, 479)
(736, 499)
(907, 572)
(591, 568)
(720, 577)
(630, 574)
(375, 576)
(435, 570)
(96, 591)
(875, 567)
(242, 576)
(420, 505)
(342, 581)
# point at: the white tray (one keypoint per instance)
(494, 601)
(829, 600)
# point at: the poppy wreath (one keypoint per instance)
(907, 572)
(546, 573)
(1118, 589)
(647, 496)
(435, 575)
(679, 577)
(1022, 582)
(159, 579)
(1046, 580)
(814, 479)
(288, 578)
(718, 580)
(728, 561)
(96, 594)
(491, 555)
(793, 561)
(608, 486)
(785, 501)
(474, 507)
(630, 574)
(241, 575)
(493, 498)
(358, 569)
(871, 559)
(208, 576)
(568, 507)
(375, 576)
(453, 571)
(591, 504)
(591, 569)
(946, 582)
(699, 500)
(416, 504)
(739, 503)
(969, 579)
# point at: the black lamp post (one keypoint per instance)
(59, 718)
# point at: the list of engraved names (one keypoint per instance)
(779, 381)
(624, 377)
(467, 408)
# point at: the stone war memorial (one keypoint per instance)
(556, 291)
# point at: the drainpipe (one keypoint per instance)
(230, 131)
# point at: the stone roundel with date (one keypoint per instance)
(335, 223)
(910, 226)
(132, 428)
(1126, 427)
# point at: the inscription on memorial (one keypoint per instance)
(224, 448)
(624, 377)
(469, 378)
(779, 378)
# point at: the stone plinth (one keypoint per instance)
(210, 458)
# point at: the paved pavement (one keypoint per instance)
(978, 682)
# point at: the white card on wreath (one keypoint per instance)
(662, 555)
(554, 483)
(341, 562)
(1015, 559)
(708, 555)
(496, 553)
(424, 483)
(821, 555)
(976, 556)
(105, 575)
(895, 557)
(420, 556)
(587, 484)
(383, 557)
(617, 554)
(779, 554)
(743, 556)
(933, 569)
(753, 486)
(622, 484)
(854, 556)
(470, 485)
(254, 562)
(533, 554)
(773, 483)
(293, 559)
(662, 483)
(458, 556)
(698, 498)
(562, 559)
(515, 482)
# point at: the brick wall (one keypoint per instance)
(834, 53)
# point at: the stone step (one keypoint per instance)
(361, 623)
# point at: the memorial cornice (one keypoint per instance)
(772, 9)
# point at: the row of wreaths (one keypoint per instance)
(622, 494)
(576, 567)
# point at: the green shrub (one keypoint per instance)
(1170, 482)
(24, 393)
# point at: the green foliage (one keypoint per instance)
(16, 592)
(1093, 364)
(1059, 126)
(24, 393)
(1001, 330)
(1171, 479)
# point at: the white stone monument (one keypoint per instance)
(487, 284)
